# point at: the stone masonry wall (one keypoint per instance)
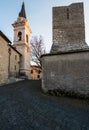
(3, 61)
(14, 63)
(68, 28)
(68, 72)
(8, 68)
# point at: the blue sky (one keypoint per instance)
(39, 13)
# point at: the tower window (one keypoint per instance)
(19, 36)
(67, 13)
(26, 38)
(38, 76)
(31, 71)
(39, 71)
(15, 67)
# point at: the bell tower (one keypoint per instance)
(21, 41)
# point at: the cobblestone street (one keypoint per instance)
(23, 106)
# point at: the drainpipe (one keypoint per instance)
(9, 51)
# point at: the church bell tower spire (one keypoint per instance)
(21, 41)
(22, 13)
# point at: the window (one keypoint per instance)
(67, 13)
(39, 71)
(15, 67)
(9, 51)
(38, 76)
(26, 38)
(31, 71)
(19, 36)
(15, 57)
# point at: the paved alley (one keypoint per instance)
(23, 106)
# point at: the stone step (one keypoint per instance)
(13, 79)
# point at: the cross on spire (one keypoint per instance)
(22, 12)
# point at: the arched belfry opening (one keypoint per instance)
(19, 36)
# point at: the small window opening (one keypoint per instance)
(39, 71)
(15, 67)
(67, 13)
(38, 76)
(15, 57)
(31, 71)
(27, 38)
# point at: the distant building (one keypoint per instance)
(36, 72)
(15, 59)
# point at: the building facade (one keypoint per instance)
(36, 72)
(9, 59)
(13, 62)
(3, 58)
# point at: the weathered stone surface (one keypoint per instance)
(3, 60)
(68, 72)
(9, 61)
(14, 62)
(68, 28)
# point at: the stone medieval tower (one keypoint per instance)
(21, 41)
(68, 28)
